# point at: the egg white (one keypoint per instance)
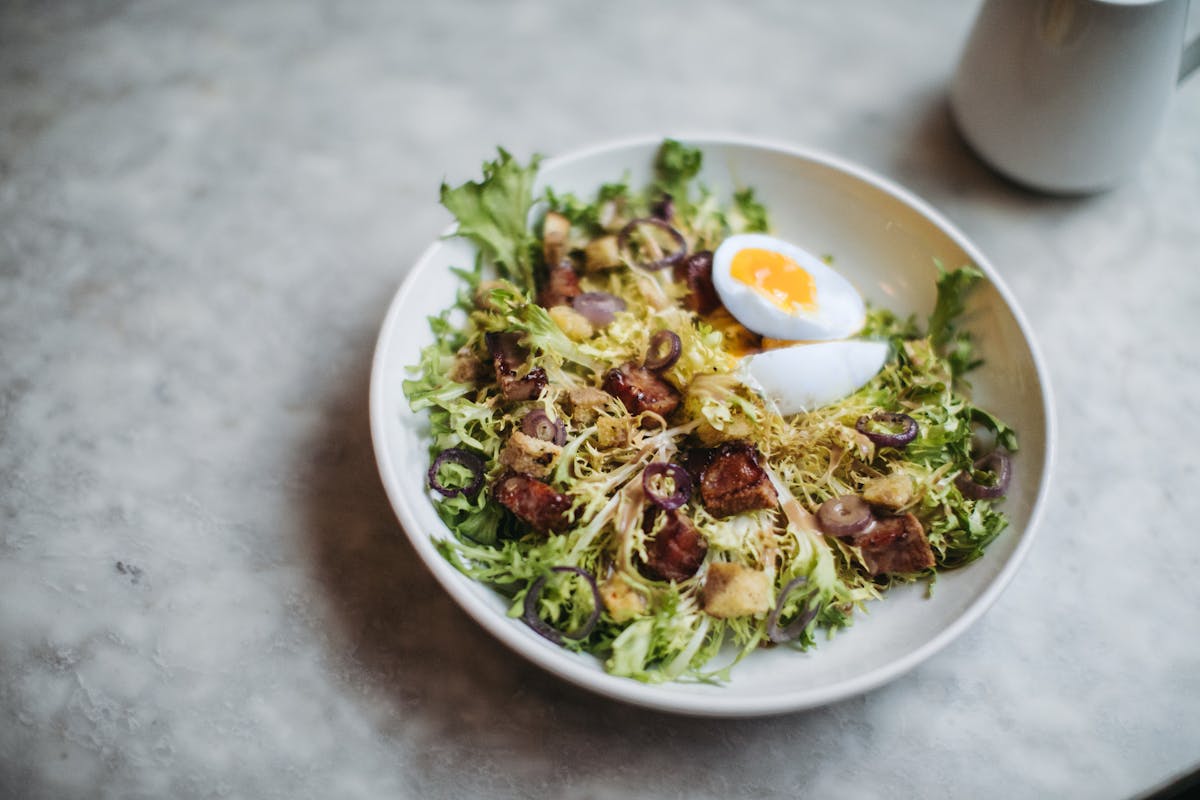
(840, 310)
(804, 377)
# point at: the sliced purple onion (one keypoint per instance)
(540, 425)
(543, 628)
(599, 308)
(996, 462)
(663, 469)
(885, 439)
(664, 209)
(845, 515)
(774, 633)
(670, 259)
(664, 350)
(456, 455)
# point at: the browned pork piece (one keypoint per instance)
(895, 544)
(676, 551)
(732, 481)
(536, 503)
(640, 389)
(508, 356)
(562, 284)
(696, 272)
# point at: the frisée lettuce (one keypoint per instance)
(606, 514)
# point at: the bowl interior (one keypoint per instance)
(886, 242)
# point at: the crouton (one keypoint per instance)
(734, 590)
(612, 431)
(467, 368)
(573, 324)
(556, 230)
(892, 491)
(601, 253)
(585, 403)
(737, 428)
(528, 455)
(622, 601)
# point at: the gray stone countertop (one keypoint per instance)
(204, 211)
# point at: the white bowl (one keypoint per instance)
(886, 241)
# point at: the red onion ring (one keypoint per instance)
(911, 429)
(538, 424)
(664, 350)
(845, 515)
(683, 484)
(996, 462)
(456, 455)
(666, 261)
(545, 629)
(599, 308)
(664, 209)
(774, 633)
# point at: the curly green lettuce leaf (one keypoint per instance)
(676, 165)
(748, 214)
(673, 641)
(493, 213)
(611, 199)
(954, 344)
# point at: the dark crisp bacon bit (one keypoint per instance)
(896, 545)
(562, 284)
(696, 460)
(676, 551)
(533, 502)
(696, 272)
(733, 481)
(640, 389)
(509, 356)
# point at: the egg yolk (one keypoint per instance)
(776, 277)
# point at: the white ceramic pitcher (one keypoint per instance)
(1068, 95)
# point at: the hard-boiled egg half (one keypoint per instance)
(804, 377)
(779, 290)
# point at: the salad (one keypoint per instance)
(612, 454)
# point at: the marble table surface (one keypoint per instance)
(204, 211)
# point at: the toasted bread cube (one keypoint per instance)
(622, 601)
(737, 428)
(612, 431)
(734, 590)
(572, 323)
(529, 455)
(585, 403)
(467, 368)
(556, 230)
(891, 491)
(601, 253)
